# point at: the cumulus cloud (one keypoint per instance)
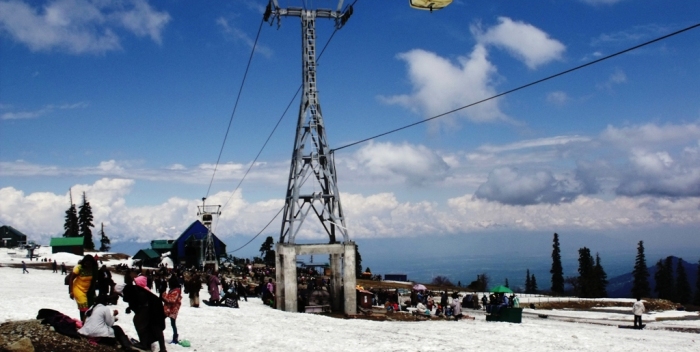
(585, 212)
(650, 134)
(512, 186)
(80, 26)
(440, 85)
(657, 173)
(522, 40)
(387, 162)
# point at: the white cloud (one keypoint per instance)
(80, 26)
(617, 77)
(386, 162)
(524, 41)
(440, 85)
(48, 109)
(557, 98)
(239, 36)
(534, 143)
(512, 186)
(651, 134)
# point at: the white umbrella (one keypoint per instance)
(419, 287)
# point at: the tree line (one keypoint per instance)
(78, 223)
(591, 282)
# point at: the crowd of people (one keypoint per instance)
(498, 301)
(154, 296)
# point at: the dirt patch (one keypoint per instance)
(44, 339)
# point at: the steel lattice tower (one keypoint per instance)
(312, 185)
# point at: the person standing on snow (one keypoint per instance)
(638, 309)
(172, 300)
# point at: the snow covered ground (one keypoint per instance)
(260, 328)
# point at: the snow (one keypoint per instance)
(257, 327)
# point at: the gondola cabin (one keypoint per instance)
(429, 4)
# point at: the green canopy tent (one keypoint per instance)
(501, 289)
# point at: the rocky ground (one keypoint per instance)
(31, 335)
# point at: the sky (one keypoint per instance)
(128, 102)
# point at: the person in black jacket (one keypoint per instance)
(149, 316)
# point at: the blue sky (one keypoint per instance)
(129, 101)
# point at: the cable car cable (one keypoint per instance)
(522, 87)
(235, 106)
(261, 231)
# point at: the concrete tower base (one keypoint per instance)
(343, 294)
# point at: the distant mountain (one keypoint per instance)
(621, 286)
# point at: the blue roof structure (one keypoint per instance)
(197, 231)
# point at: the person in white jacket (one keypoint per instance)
(638, 309)
(99, 325)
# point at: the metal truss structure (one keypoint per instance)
(312, 185)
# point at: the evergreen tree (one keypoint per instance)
(696, 300)
(668, 266)
(683, 290)
(71, 224)
(105, 243)
(528, 282)
(266, 251)
(557, 270)
(533, 284)
(266, 246)
(586, 277)
(665, 287)
(358, 262)
(85, 223)
(640, 285)
(600, 280)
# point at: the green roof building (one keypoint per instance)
(73, 245)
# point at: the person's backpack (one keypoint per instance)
(66, 281)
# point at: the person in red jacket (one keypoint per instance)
(172, 301)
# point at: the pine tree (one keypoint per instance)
(586, 281)
(696, 300)
(105, 243)
(71, 224)
(533, 284)
(665, 287)
(668, 266)
(85, 223)
(266, 246)
(683, 290)
(528, 282)
(557, 270)
(640, 285)
(358, 261)
(600, 279)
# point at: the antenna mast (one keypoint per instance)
(312, 159)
